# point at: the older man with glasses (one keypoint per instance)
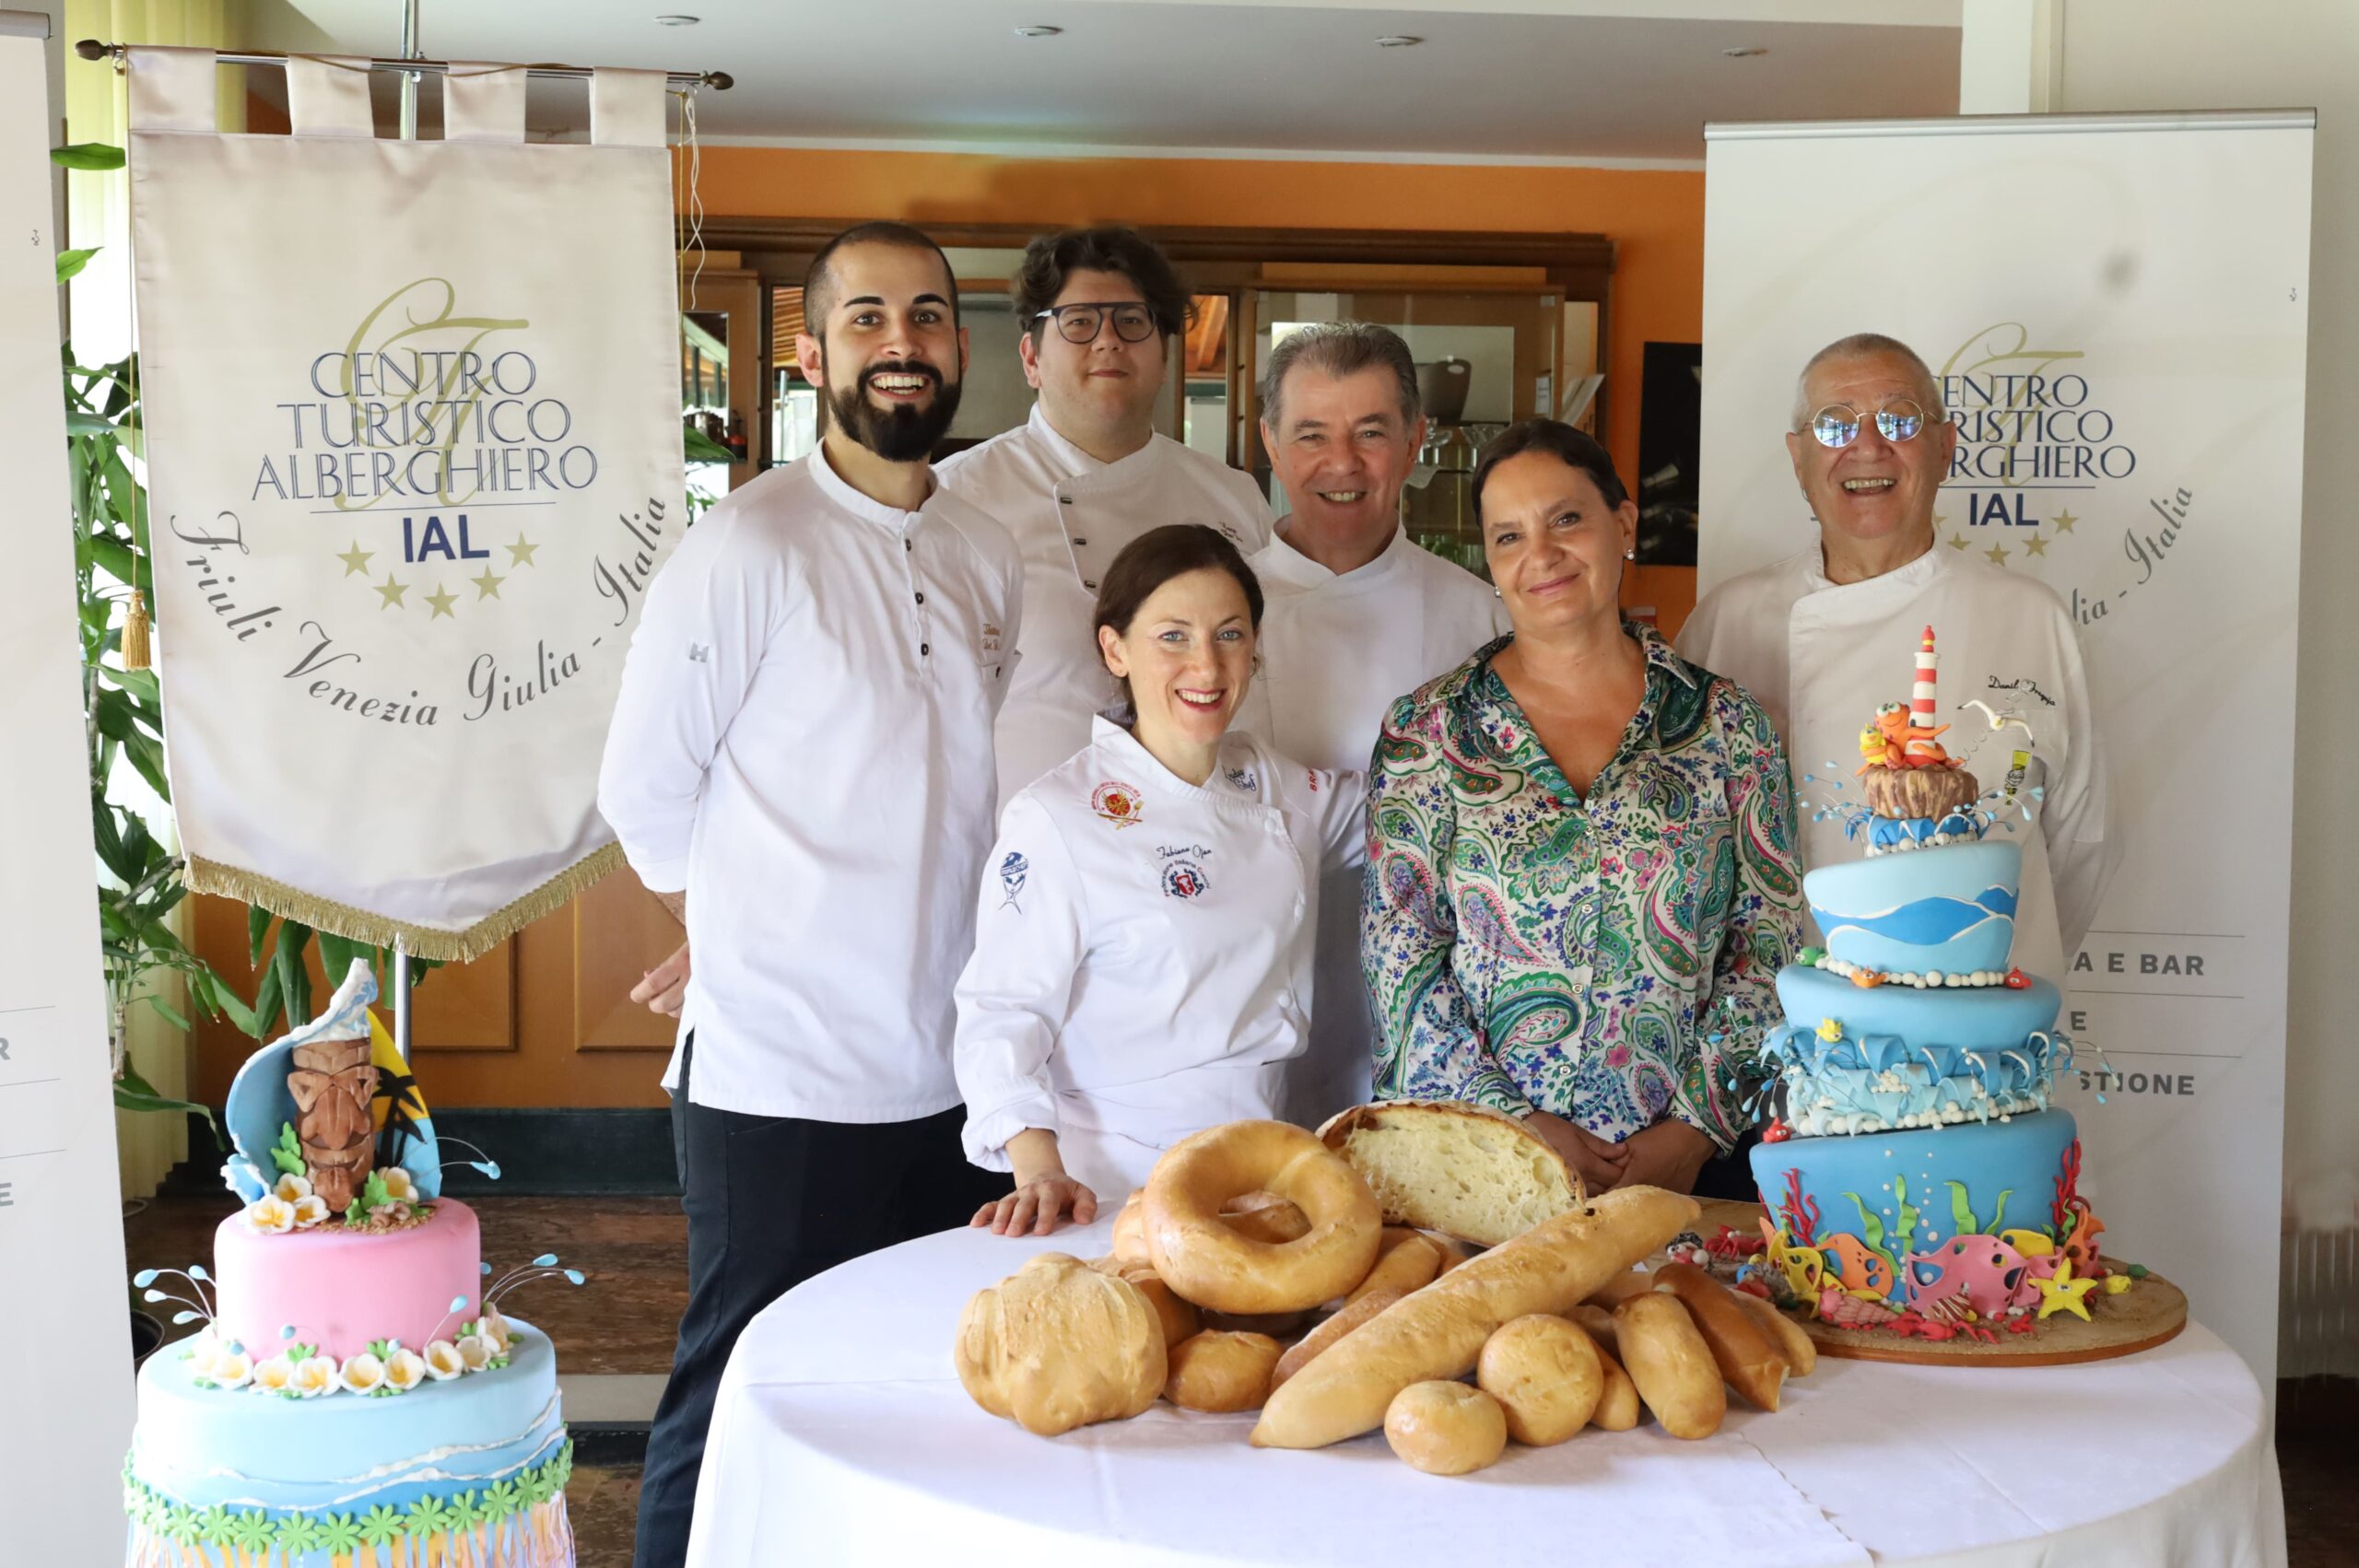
(1089, 472)
(1824, 637)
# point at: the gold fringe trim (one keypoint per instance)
(382, 931)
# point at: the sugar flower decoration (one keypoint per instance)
(362, 1374)
(475, 1351)
(271, 1215)
(230, 1369)
(292, 1188)
(276, 1376)
(399, 1189)
(443, 1362)
(309, 1210)
(315, 1376)
(404, 1370)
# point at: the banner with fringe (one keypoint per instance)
(413, 455)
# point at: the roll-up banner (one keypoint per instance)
(65, 1419)
(2117, 309)
(414, 424)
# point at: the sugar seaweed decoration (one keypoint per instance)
(544, 1267)
(201, 1307)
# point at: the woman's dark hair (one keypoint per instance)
(1050, 260)
(1156, 557)
(1559, 440)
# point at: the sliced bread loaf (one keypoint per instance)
(1460, 1169)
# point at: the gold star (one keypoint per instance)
(1998, 554)
(2035, 546)
(391, 591)
(443, 599)
(2064, 1292)
(356, 560)
(1940, 519)
(1957, 541)
(486, 586)
(2064, 522)
(520, 553)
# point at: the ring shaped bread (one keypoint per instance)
(1209, 1263)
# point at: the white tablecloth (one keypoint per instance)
(841, 1436)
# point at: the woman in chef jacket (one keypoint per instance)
(1141, 962)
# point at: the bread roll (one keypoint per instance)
(1437, 1332)
(1546, 1375)
(1453, 1251)
(1801, 1352)
(1299, 1356)
(1058, 1345)
(1673, 1367)
(1460, 1169)
(1178, 1319)
(1445, 1428)
(1209, 1264)
(1621, 1288)
(1221, 1372)
(1265, 1216)
(1409, 1263)
(1744, 1350)
(1130, 1233)
(1617, 1403)
(1598, 1324)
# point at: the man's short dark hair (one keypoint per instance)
(819, 282)
(1052, 259)
(1340, 349)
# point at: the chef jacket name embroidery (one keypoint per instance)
(1118, 803)
(1243, 779)
(1012, 872)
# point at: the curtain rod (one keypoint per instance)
(719, 81)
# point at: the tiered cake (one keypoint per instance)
(355, 1387)
(1915, 1175)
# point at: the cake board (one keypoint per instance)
(2151, 1312)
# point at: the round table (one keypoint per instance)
(842, 1436)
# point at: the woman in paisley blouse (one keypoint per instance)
(1583, 876)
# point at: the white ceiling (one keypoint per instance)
(1554, 79)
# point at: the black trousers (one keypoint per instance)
(772, 1200)
(1730, 1175)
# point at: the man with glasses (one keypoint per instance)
(1089, 472)
(1824, 637)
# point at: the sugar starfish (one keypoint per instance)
(2064, 1292)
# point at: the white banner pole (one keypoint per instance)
(2116, 307)
(61, 1291)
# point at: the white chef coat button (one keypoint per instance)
(1089, 582)
(925, 647)
(908, 544)
(921, 595)
(1064, 500)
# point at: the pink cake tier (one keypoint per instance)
(339, 1288)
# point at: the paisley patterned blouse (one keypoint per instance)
(1607, 957)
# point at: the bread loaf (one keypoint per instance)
(1744, 1350)
(1546, 1375)
(1130, 1233)
(1445, 1429)
(1621, 1288)
(1265, 1216)
(1801, 1352)
(1301, 1354)
(1221, 1372)
(1673, 1367)
(1455, 1168)
(1176, 1318)
(1438, 1331)
(1409, 1261)
(1598, 1324)
(1618, 1402)
(1058, 1345)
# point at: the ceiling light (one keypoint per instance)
(1399, 40)
(677, 21)
(1038, 29)
(1744, 51)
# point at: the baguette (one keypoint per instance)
(1408, 1262)
(1801, 1352)
(1621, 1288)
(1438, 1332)
(1745, 1350)
(1617, 1403)
(1299, 1356)
(1667, 1358)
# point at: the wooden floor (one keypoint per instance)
(635, 1252)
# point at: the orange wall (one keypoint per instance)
(1654, 216)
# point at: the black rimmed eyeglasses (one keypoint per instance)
(1082, 320)
(1838, 423)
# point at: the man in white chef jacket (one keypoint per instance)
(1357, 616)
(1824, 637)
(1089, 472)
(800, 768)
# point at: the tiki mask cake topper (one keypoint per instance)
(332, 1085)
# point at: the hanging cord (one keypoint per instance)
(692, 211)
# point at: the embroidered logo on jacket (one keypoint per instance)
(1183, 879)
(699, 653)
(1312, 774)
(1118, 803)
(990, 637)
(1243, 779)
(1011, 877)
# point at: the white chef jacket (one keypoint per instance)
(1820, 658)
(804, 742)
(1071, 515)
(1337, 652)
(1142, 963)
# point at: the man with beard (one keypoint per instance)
(1089, 472)
(1359, 615)
(804, 742)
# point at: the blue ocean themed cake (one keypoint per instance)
(1915, 1173)
(356, 1395)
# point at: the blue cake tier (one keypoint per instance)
(1857, 1059)
(1907, 1217)
(484, 1455)
(1949, 909)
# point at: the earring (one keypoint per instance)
(1629, 555)
(1494, 593)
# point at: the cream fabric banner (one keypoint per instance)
(414, 428)
(2118, 307)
